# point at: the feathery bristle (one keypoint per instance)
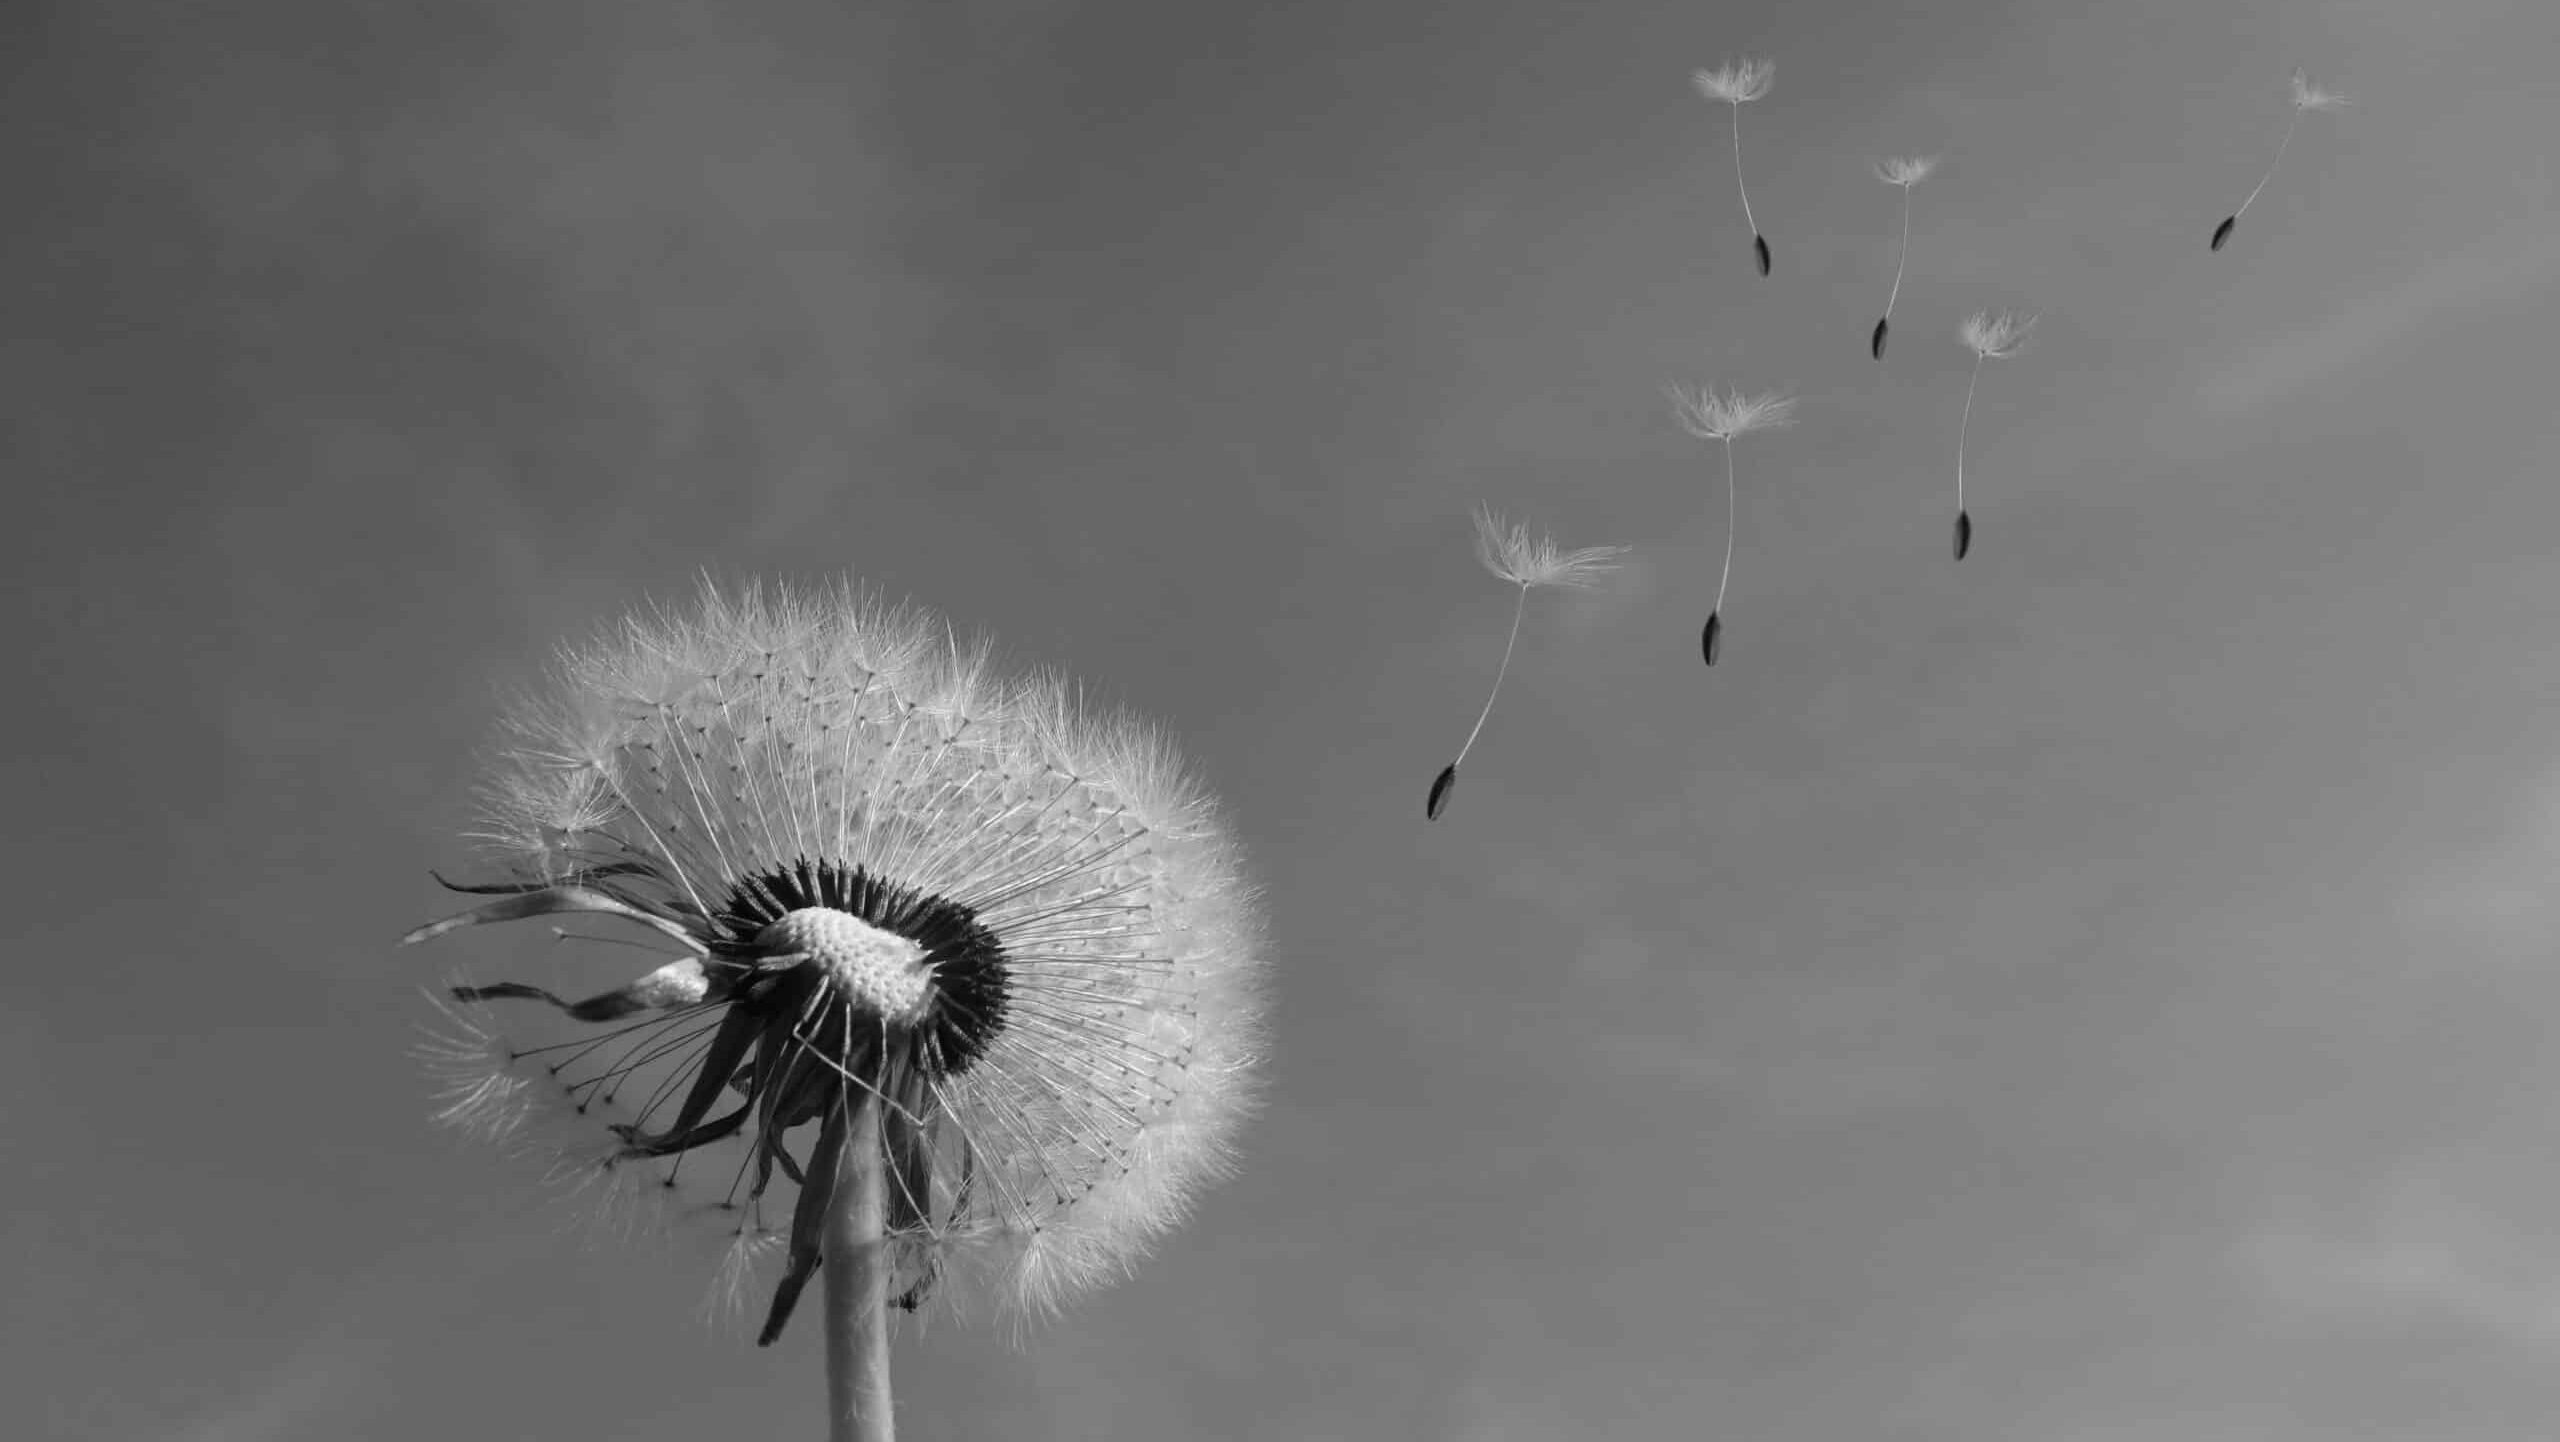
(2307, 96)
(1511, 553)
(1736, 81)
(1717, 417)
(1996, 337)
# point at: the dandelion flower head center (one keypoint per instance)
(878, 973)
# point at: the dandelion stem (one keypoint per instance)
(1517, 612)
(2271, 165)
(1960, 425)
(1718, 608)
(856, 1273)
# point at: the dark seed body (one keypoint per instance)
(1760, 247)
(1711, 640)
(2222, 232)
(1441, 785)
(1964, 534)
(1875, 345)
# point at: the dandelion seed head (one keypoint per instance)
(2308, 96)
(1709, 416)
(1510, 552)
(868, 864)
(1906, 171)
(1736, 81)
(1996, 337)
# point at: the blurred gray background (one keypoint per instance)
(2096, 993)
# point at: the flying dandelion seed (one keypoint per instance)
(1737, 82)
(1989, 337)
(974, 973)
(1711, 417)
(1512, 554)
(2306, 97)
(1905, 172)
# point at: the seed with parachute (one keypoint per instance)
(2307, 97)
(1906, 172)
(1737, 83)
(1712, 417)
(1989, 337)
(1512, 554)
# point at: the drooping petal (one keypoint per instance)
(808, 1224)
(579, 877)
(551, 901)
(738, 1030)
(678, 983)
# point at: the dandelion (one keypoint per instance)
(955, 979)
(1990, 337)
(1512, 554)
(1736, 82)
(1711, 417)
(2306, 97)
(1905, 172)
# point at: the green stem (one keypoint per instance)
(856, 1273)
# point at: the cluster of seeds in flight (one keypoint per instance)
(1723, 416)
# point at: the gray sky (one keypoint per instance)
(2096, 993)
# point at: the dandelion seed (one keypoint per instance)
(958, 980)
(1712, 417)
(1905, 172)
(1989, 337)
(1738, 82)
(2306, 97)
(1513, 555)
